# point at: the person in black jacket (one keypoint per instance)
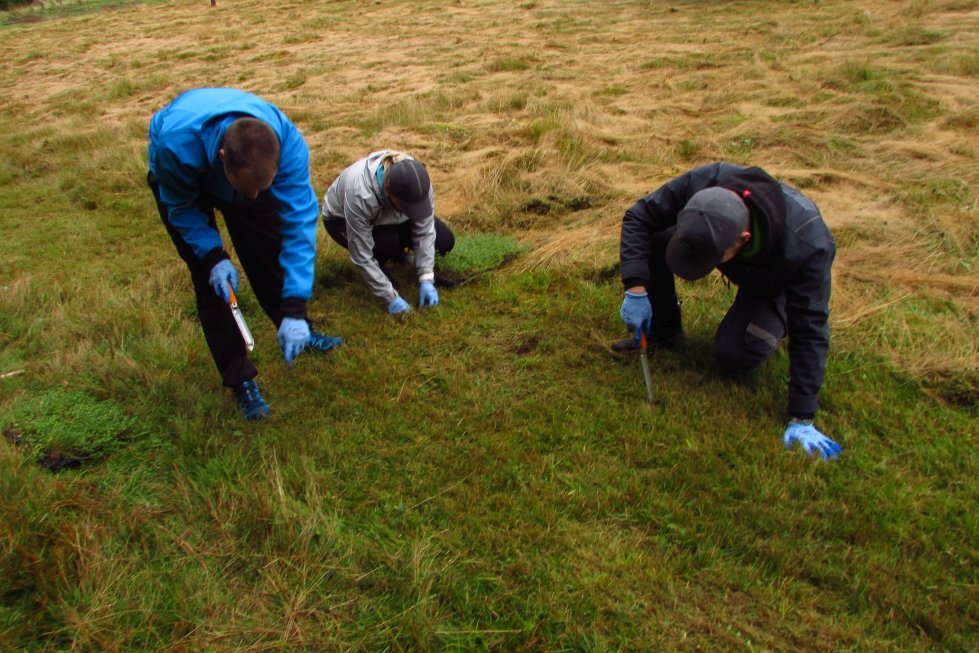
(766, 237)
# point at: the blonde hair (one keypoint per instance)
(392, 157)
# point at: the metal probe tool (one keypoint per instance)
(240, 320)
(645, 364)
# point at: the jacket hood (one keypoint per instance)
(764, 195)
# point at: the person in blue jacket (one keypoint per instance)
(224, 149)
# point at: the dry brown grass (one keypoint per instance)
(869, 107)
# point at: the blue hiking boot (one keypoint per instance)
(322, 343)
(250, 402)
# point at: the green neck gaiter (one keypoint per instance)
(759, 236)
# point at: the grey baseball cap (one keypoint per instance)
(709, 225)
(410, 184)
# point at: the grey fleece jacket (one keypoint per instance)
(356, 197)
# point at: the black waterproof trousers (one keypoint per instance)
(391, 240)
(748, 334)
(255, 230)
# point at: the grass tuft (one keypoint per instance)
(914, 35)
(967, 121)
(513, 64)
(688, 149)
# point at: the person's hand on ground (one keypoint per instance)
(398, 306)
(293, 337)
(812, 440)
(427, 295)
(224, 278)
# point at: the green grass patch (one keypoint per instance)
(476, 254)
(695, 84)
(418, 110)
(886, 104)
(512, 64)
(785, 101)
(611, 91)
(542, 125)
(456, 77)
(688, 148)
(70, 423)
(295, 80)
(694, 61)
(939, 191)
(741, 147)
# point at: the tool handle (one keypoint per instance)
(234, 300)
(642, 338)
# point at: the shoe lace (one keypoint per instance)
(248, 394)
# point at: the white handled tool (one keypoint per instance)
(645, 365)
(240, 319)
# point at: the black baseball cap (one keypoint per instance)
(409, 182)
(709, 225)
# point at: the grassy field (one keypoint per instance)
(485, 475)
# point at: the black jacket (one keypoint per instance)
(795, 260)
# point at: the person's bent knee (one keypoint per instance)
(741, 359)
(337, 230)
(745, 353)
(387, 245)
(444, 246)
(445, 240)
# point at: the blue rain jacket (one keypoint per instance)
(185, 137)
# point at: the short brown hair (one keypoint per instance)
(251, 143)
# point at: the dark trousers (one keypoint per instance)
(254, 227)
(748, 334)
(391, 240)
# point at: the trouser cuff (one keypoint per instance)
(239, 371)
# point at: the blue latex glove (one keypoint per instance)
(293, 337)
(427, 295)
(398, 306)
(812, 441)
(636, 313)
(223, 276)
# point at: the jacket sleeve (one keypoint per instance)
(177, 176)
(807, 312)
(656, 212)
(359, 213)
(299, 210)
(423, 237)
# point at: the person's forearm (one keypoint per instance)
(375, 279)
(193, 227)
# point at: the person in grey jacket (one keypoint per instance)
(377, 209)
(766, 237)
